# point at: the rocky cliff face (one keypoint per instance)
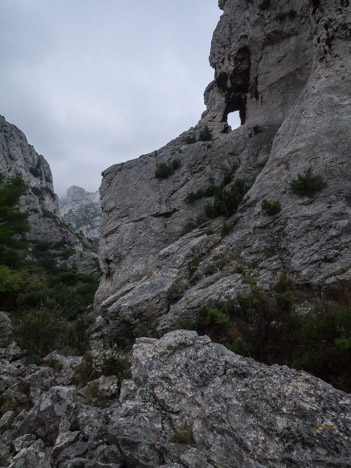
(82, 211)
(17, 157)
(190, 404)
(285, 67)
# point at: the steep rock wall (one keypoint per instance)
(82, 211)
(17, 157)
(286, 69)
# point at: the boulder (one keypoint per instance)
(52, 414)
(197, 404)
(31, 457)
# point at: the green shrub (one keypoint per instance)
(41, 246)
(184, 435)
(174, 294)
(264, 5)
(211, 190)
(48, 304)
(39, 332)
(49, 191)
(202, 193)
(49, 214)
(66, 253)
(205, 134)
(35, 172)
(291, 14)
(271, 208)
(240, 347)
(165, 170)
(266, 327)
(190, 139)
(215, 322)
(13, 223)
(227, 201)
(109, 362)
(38, 192)
(307, 184)
(285, 300)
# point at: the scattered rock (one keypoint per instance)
(23, 442)
(52, 413)
(6, 330)
(31, 457)
(6, 420)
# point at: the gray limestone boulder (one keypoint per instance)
(51, 414)
(197, 404)
(31, 457)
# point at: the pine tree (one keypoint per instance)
(13, 223)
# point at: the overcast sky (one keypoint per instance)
(96, 82)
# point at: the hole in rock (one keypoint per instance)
(233, 119)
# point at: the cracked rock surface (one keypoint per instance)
(190, 403)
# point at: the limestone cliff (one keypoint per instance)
(17, 157)
(82, 211)
(285, 66)
(185, 227)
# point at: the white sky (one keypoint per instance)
(96, 82)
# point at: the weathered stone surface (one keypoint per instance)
(6, 420)
(31, 457)
(64, 366)
(195, 400)
(39, 380)
(285, 67)
(22, 442)
(64, 439)
(6, 330)
(14, 352)
(82, 211)
(191, 404)
(4, 454)
(52, 414)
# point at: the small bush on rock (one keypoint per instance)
(165, 170)
(264, 5)
(291, 14)
(271, 208)
(205, 134)
(227, 201)
(183, 435)
(190, 139)
(109, 362)
(201, 193)
(307, 184)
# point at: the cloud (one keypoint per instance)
(95, 82)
